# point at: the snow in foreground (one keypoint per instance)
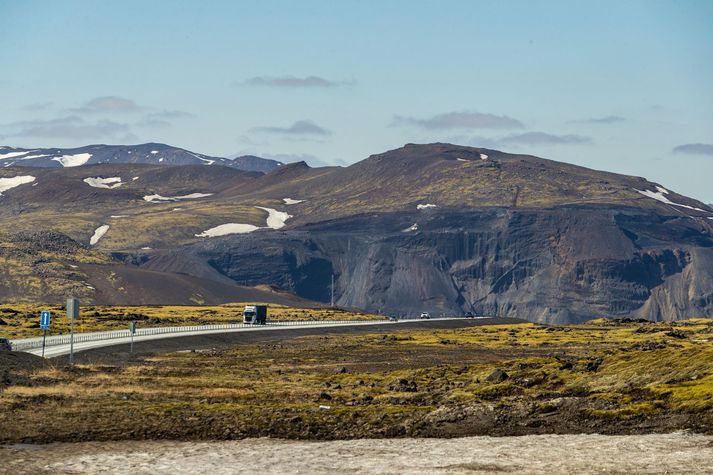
(9, 183)
(108, 183)
(658, 195)
(98, 234)
(533, 454)
(275, 220)
(75, 160)
(162, 199)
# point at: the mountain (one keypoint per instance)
(47, 266)
(148, 153)
(436, 227)
(252, 163)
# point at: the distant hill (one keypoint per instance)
(148, 153)
(255, 164)
(426, 227)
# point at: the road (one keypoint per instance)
(118, 349)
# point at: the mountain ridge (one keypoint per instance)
(149, 153)
(435, 227)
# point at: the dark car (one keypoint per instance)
(469, 315)
(5, 345)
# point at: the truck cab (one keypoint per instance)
(255, 314)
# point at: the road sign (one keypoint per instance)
(45, 317)
(72, 308)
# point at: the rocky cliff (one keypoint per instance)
(564, 264)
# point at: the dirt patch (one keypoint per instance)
(15, 367)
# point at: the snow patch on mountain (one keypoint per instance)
(98, 234)
(28, 157)
(163, 199)
(9, 183)
(412, 228)
(658, 195)
(275, 219)
(108, 183)
(426, 206)
(290, 201)
(483, 156)
(228, 228)
(14, 154)
(75, 160)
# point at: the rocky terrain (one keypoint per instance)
(439, 227)
(464, 378)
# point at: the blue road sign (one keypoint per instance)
(45, 317)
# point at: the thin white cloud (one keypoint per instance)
(108, 104)
(293, 82)
(69, 127)
(609, 119)
(37, 106)
(695, 149)
(301, 127)
(460, 120)
(543, 138)
(163, 118)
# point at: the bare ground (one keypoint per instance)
(678, 453)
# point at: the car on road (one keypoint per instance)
(393, 318)
(5, 345)
(469, 315)
(425, 315)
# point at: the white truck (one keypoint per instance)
(255, 314)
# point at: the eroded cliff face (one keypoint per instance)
(564, 264)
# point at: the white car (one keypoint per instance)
(425, 315)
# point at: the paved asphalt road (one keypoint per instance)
(118, 350)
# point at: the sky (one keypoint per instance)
(619, 86)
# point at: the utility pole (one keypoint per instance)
(332, 305)
(72, 314)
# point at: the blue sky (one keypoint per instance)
(622, 86)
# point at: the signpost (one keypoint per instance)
(72, 314)
(132, 330)
(45, 317)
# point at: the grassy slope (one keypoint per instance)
(397, 180)
(601, 377)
